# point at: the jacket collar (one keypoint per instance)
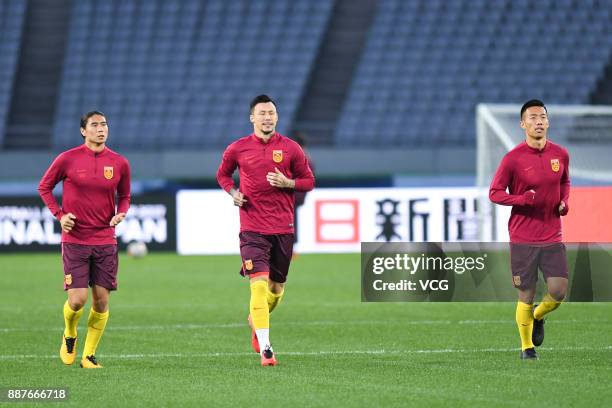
(273, 138)
(536, 150)
(91, 153)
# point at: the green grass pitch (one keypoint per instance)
(178, 336)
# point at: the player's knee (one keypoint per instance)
(276, 287)
(557, 290)
(557, 294)
(526, 295)
(100, 305)
(76, 303)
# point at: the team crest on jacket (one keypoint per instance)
(108, 172)
(68, 279)
(248, 265)
(554, 163)
(516, 280)
(277, 156)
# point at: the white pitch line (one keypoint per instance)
(19, 309)
(196, 326)
(309, 353)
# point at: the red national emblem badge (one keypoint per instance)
(108, 172)
(277, 156)
(554, 164)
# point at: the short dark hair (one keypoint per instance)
(260, 99)
(85, 117)
(530, 103)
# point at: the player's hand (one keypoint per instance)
(278, 179)
(117, 219)
(67, 222)
(562, 208)
(238, 198)
(529, 197)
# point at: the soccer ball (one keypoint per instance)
(137, 249)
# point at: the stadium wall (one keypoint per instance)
(26, 225)
(333, 220)
(203, 164)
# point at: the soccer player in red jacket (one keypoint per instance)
(271, 168)
(93, 178)
(536, 175)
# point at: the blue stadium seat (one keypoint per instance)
(479, 53)
(12, 15)
(188, 62)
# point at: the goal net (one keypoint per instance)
(585, 131)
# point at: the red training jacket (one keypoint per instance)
(535, 217)
(268, 210)
(91, 181)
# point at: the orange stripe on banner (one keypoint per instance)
(589, 215)
(258, 274)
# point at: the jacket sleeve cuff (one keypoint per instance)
(302, 185)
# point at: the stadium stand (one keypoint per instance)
(428, 63)
(11, 24)
(180, 75)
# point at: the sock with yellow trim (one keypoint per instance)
(71, 320)
(274, 299)
(524, 321)
(95, 329)
(260, 312)
(547, 305)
